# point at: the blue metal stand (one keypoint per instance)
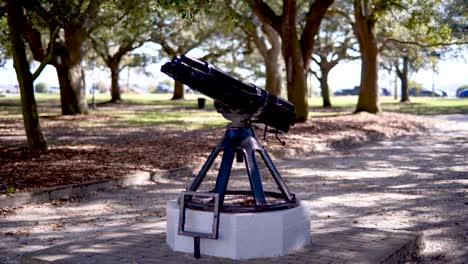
(241, 141)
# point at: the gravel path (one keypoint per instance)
(415, 183)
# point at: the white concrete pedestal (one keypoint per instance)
(242, 235)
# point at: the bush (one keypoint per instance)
(99, 87)
(152, 88)
(41, 87)
(416, 85)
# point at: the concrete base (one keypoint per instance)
(242, 235)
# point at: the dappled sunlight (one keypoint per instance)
(383, 172)
(404, 186)
(111, 216)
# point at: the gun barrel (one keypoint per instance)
(200, 65)
(205, 78)
(244, 98)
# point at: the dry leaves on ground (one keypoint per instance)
(77, 155)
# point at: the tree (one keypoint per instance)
(456, 16)
(402, 74)
(16, 25)
(380, 22)
(4, 39)
(297, 50)
(128, 32)
(333, 44)
(268, 43)
(178, 36)
(266, 39)
(418, 39)
(75, 20)
(407, 59)
(364, 27)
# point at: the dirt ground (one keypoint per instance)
(77, 154)
(389, 172)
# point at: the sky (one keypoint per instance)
(451, 74)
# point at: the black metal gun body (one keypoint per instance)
(243, 98)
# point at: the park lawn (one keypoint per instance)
(157, 109)
(149, 109)
(429, 106)
(136, 110)
(418, 105)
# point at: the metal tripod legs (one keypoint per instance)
(241, 141)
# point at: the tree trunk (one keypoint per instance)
(67, 62)
(325, 91)
(404, 81)
(115, 87)
(272, 57)
(72, 91)
(273, 73)
(179, 92)
(295, 74)
(297, 90)
(32, 127)
(296, 53)
(369, 89)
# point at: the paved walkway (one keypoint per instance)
(364, 201)
(145, 243)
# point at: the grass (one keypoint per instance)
(158, 109)
(429, 106)
(176, 118)
(137, 110)
(418, 106)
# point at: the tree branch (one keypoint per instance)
(397, 69)
(91, 12)
(49, 57)
(220, 53)
(259, 42)
(383, 6)
(168, 49)
(419, 44)
(189, 45)
(33, 38)
(273, 36)
(313, 18)
(315, 74)
(315, 60)
(100, 50)
(345, 15)
(265, 14)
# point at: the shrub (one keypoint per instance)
(41, 87)
(100, 87)
(152, 88)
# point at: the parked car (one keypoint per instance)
(442, 93)
(53, 89)
(9, 89)
(385, 92)
(353, 91)
(164, 88)
(423, 92)
(463, 94)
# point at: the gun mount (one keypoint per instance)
(243, 104)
